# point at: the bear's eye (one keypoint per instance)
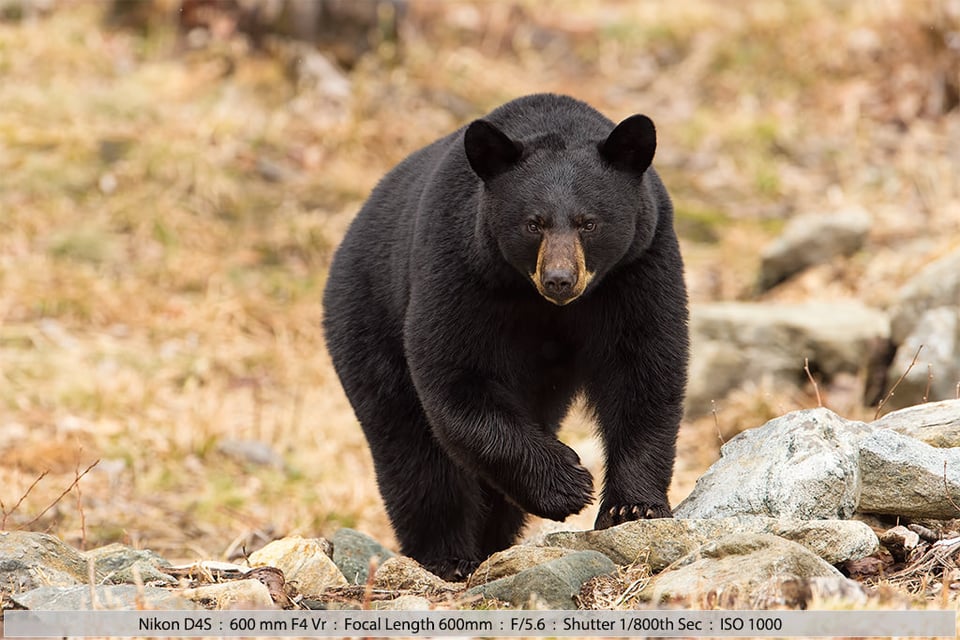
(533, 226)
(588, 225)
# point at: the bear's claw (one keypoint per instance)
(452, 569)
(620, 513)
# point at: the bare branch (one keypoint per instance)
(64, 492)
(6, 514)
(816, 389)
(946, 488)
(716, 421)
(897, 383)
(83, 516)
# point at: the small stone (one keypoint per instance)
(304, 563)
(900, 541)
(353, 552)
(254, 452)
(120, 564)
(552, 585)
(513, 560)
(401, 572)
(29, 560)
(404, 603)
(114, 597)
(236, 594)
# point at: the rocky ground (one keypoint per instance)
(801, 512)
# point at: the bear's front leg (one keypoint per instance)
(638, 407)
(482, 424)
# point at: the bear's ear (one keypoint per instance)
(630, 146)
(489, 150)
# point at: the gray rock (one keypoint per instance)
(303, 561)
(120, 564)
(116, 597)
(905, 477)
(29, 560)
(813, 239)
(404, 603)
(552, 585)
(937, 285)
(661, 542)
(936, 423)
(733, 343)
(236, 594)
(353, 551)
(835, 541)
(656, 543)
(808, 593)
(400, 572)
(900, 541)
(734, 571)
(254, 452)
(802, 465)
(936, 373)
(513, 560)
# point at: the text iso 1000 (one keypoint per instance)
(751, 623)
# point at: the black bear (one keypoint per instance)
(490, 278)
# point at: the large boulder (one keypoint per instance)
(936, 372)
(905, 477)
(936, 285)
(936, 423)
(737, 342)
(812, 239)
(736, 570)
(803, 465)
(660, 542)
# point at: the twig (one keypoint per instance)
(926, 392)
(3, 521)
(65, 492)
(946, 488)
(816, 389)
(925, 533)
(83, 517)
(897, 383)
(716, 421)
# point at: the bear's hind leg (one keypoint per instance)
(433, 505)
(502, 522)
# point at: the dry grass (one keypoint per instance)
(167, 217)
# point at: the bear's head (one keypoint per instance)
(564, 212)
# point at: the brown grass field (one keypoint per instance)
(168, 213)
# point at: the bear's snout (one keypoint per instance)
(561, 274)
(559, 282)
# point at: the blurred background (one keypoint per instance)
(175, 175)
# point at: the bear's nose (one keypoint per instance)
(559, 282)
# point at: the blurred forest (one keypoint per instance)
(175, 174)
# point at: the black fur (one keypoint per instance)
(460, 371)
